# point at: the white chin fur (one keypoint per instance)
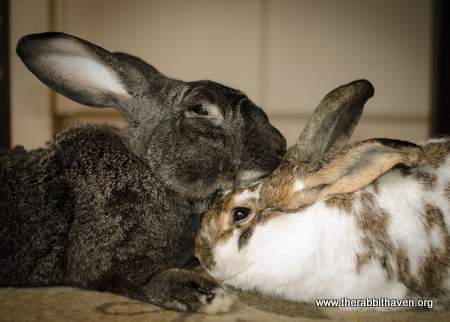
(221, 303)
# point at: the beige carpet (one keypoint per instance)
(68, 304)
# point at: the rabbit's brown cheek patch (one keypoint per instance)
(244, 237)
(224, 236)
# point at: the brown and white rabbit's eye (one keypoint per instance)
(199, 110)
(240, 214)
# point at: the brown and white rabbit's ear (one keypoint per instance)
(354, 168)
(333, 121)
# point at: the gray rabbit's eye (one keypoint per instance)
(199, 110)
(205, 110)
(240, 214)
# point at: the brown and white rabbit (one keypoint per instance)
(369, 219)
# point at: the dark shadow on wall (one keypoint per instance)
(440, 113)
(5, 128)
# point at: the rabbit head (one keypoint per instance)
(319, 166)
(198, 137)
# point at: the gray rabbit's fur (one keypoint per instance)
(117, 210)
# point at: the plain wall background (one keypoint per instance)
(285, 54)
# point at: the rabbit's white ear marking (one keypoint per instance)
(75, 64)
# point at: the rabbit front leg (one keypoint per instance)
(184, 290)
(125, 252)
(134, 277)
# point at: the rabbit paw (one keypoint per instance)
(187, 291)
(218, 301)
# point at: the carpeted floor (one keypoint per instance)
(68, 304)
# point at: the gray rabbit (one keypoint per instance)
(117, 210)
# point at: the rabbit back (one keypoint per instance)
(416, 203)
(116, 221)
(36, 207)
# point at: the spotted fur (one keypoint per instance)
(370, 219)
(377, 247)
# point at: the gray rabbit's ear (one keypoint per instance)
(333, 121)
(140, 65)
(80, 70)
